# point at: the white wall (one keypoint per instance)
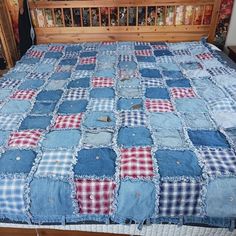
(231, 37)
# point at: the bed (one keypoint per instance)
(122, 133)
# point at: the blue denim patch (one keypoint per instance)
(86, 67)
(171, 138)
(102, 93)
(44, 68)
(151, 73)
(88, 54)
(50, 198)
(70, 107)
(111, 47)
(110, 73)
(4, 93)
(173, 74)
(61, 139)
(134, 82)
(146, 59)
(190, 105)
(70, 62)
(138, 136)
(159, 53)
(60, 75)
(82, 82)
(130, 92)
(177, 163)
(96, 161)
(208, 138)
(16, 107)
(129, 65)
(197, 120)
(178, 83)
(49, 95)
(191, 65)
(30, 61)
(92, 119)
(97, 138)
(55, 84)
(127, 104)
(141, 47)
(16, 75)
(17, 161)
(159, 93)
(43, 107)
(169, 66)
(31, 84)
(74, 48)
(3, 137)
(36, 122)
(136, 200)
(166, 120)
(56, 55)
(220, 198)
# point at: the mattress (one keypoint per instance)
(119, 132)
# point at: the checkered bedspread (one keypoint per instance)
(121, 132)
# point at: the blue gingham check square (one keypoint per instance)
(76, 94)
(24, 67)
(232, 90)
(126, 58)
(72, 54)
(9, 83)
(82, 73)
(11, 195)
(50, 61)
(224, 104)
(179, 198)
(165, 59)
(35, 75)
(101, 104)
(55, 162)
(10, 122)
(150, 82)
(219, 161)
(151, 65)
(219, 71)
(133, 118)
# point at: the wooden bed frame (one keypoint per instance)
(111, 20)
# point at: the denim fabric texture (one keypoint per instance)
(83, 83)
(71, 107)
(36, 122)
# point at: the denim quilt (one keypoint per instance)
(119, 132)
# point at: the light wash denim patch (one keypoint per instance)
(49, 95)
(172, 74)
(86, 67)
(221, 198)
(166, 120)
(136, 200)
(29, 61)
(70, 62)
(55, 84)
(134, 82)
(130, 65)
(16, 107)
(110, 72)
(208, 138)
(4, 93)
(93, 119)
(150, 73)
(231, 133)
(16, 75)
(225, 80)
(50, 199)
(102, 93)
(171, 138)
(70, 107)
(192, 105)
(82, 82)
(106, 59)
(146, 59)
(130, 92)
(31, 84)
(169, 66)
(178, 83)
(35, 122)
(97, 138)
(60, 75)
(17, 161)
(3, 137)
(43, 107)
(138, 136)
(158, 93)
(129, 104)
(44, 68)
(174, 163)
(56, 55)
(95, 161)
(61, 139)
(197, 120)
(225, 119)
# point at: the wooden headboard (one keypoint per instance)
(124, 20)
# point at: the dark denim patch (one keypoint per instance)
(60, 75)
(102, 93)
(49, 95)
(159, 53)
(178, 83)
(36, 122)
(82, 82)
(158, 93)
(43, 107)
(151, 73)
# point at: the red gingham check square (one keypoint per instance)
(87, 60)
(182, 93)
(205, 56)
(160, 47)
(136, 162)
(25, 138)
(95, 196)
(35, 53)
(108, 43)
(56, 48)
(68, 121)
(102, 82)
(23, 94)
(154, 105)
(146, 52)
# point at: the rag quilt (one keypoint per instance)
(119, 132)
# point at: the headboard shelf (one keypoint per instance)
(110, 20)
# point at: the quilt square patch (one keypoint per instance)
(76, 94)
(72, 107)
(16, 107)
(36, 122)
(126, 58)
(101, 104)
(51, 54)
(133, 118)
(215, 71)
(157, 93)
(6, 83)
(130, 104)
(158, 105)
(43, 107)
(60, 76)
(35, 53)
(55, 84)
(68, 62)
(146, 59)
(88, 54)
(222, 105)
(96, 161)
(95, 196)
(23, 94)
(56, 48)
(11, 195)
(197, 120)
(86, 67)
(182, 93)
(68, 121)
(160, 53)
(49, 95)
(172, 74)
(87, 60)
(136, 162)
(130, 92)
(179, 198)
(166, 120)
(102, 93)
(10, 122)
(150, 73)
(64, 68)
(177, 163)
(219, 161)
(178, 83)
(25, 138)
(102, 82)
(31, 84)
(145, 52)
(205, 56)
(56, 163)
(193, 105)
(3, 137)
(82, 82)
(150, 82)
